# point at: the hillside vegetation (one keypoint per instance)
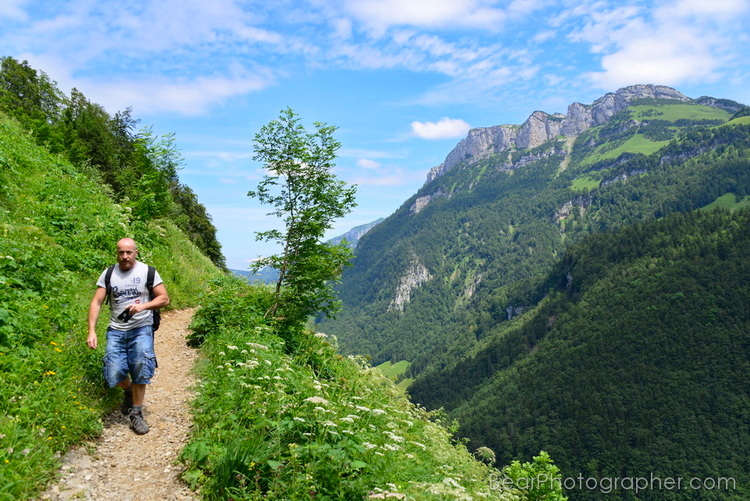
(59, 229)
(635, 361)
(572, 298)
(283, 416)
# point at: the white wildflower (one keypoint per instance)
(231, 347)
(378, 412)
(299, 419)
(316, 400)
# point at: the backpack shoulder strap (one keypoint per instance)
(150, 280)
(107, 282)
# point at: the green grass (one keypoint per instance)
(636, 144)
(584, 183)
(280, 415)
(728, 201)
(739, 121)
(674, 112)
(393, 371)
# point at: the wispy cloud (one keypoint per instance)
(445, 128)
(680, 42)
(379, 15)
(184, 96)
(12, 9)
(366, 163)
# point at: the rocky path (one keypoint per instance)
(124, 466)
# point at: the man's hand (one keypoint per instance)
(92, 340)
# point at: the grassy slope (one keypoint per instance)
(59, 230)
(291, 419)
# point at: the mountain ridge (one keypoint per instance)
(541, 126)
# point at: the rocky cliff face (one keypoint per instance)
(415, 275)
(540, 127)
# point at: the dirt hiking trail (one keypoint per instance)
(124, 466)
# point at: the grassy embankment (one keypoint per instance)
(59, 228)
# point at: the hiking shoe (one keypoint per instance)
(127, 402)
(137, 423)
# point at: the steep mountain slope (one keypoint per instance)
(434, 278)
(564, 293)
(634, 364)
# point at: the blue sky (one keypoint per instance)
(404, 80)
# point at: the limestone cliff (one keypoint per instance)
(540, 127)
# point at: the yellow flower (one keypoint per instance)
(53, 343)
(58, 350)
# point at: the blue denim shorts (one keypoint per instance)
(130, 352)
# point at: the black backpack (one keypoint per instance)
(149, 286)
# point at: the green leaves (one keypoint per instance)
(304, 193)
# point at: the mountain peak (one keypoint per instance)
(540, 127)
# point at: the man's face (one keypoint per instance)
(126, 255)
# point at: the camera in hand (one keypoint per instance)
(125, 315)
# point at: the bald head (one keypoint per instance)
(127, 252)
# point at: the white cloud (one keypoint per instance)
(12, 9)
(366, 163)
(446, 128)
(382, 14)
(188, 97)
(686, 41)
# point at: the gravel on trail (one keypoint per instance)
(124, 466)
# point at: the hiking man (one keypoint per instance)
(129, 361)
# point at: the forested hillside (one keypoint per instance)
(634, 362)
(466, 258)
(568, 296)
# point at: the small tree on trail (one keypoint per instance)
(308, 198)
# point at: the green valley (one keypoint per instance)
(595, 355)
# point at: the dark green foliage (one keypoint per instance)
(30, 96)
(641, 363)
